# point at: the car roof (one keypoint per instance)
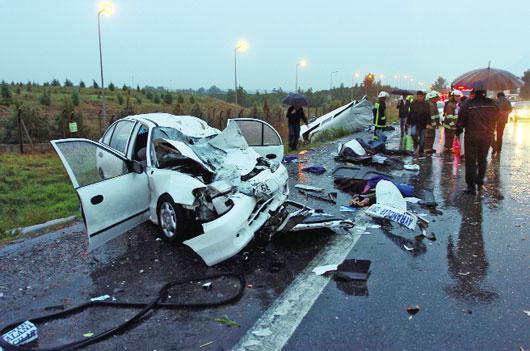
(188, 125)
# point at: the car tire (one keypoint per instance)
(170, 220)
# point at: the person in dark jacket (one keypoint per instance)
(505, 107)
(419, 117)
(478, 117)
(403, 112)
(294, 115)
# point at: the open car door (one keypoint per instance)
(113, 198)
(262, 137)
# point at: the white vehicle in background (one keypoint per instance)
(203, 187)
(352, 117)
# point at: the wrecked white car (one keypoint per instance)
(203, 187)
(352, 117)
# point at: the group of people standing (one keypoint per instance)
(482, 118)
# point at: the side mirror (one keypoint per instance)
(136, 167)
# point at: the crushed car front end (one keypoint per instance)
(230, 232)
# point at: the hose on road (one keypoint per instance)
(156, 303)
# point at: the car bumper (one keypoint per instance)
(227, 235)
(230, 233)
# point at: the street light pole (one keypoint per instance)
(103, 107)
(296, 79)
(331, 83)
(235, 73)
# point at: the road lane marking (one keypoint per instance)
(274, 328)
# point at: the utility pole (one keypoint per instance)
(19, 123)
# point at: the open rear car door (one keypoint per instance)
(262, 137)
(114, 198)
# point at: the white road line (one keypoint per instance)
(279, 322)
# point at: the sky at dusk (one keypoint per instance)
(190, 43)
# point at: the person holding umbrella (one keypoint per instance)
(478, 117)
(295, 113)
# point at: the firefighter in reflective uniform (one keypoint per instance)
(430, 131)
(380, 114)
(450, 118)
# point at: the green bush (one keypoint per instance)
(192, 99)
(180, 99)
(120, 99)
(46, 98)
(168, 98)
(111, 86)
(156, 98)
(75, 97)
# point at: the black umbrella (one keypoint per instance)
(491, 78)
(295, 100)
(401, 92)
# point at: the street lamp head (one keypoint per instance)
(105, 8)
(357, 75)
(302, 63)
(242, 46)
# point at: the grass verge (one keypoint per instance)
(34, 188)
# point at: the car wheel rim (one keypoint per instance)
(168, 219)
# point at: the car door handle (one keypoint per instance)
(271, 156)
(96, 199)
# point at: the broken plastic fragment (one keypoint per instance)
(411, 167)
(348, 209)
(308, 187)
(88, 335)
(353, 270)
(207, 286)
(527, 313)
(316, 169)
(206, 344)
(227, 321)
(408, 248)
(100, 298)
(320, 270)
(412, 310)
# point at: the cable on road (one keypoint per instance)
(156, 303)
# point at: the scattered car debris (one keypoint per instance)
(22, 334)
(467, 311)
(315, 169)
(88, 334)
(54, 307)
(353, 270)
(289, 158)
(227, 321)
(207, 286)
(404, 218)
(464, 273)
(408, 248)
(353, 117)
(309, 188)
(100, 298)
(206, 344)
(331, 196)
(410, 167)
(412, 310)
(527, 313)
(348, 209)
(320, 270)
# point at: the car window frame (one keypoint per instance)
(110, 130)
(102, 146)
(124, 153)
(263, 124)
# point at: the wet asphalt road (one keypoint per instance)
(471, 284)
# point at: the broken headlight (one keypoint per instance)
(212, 202)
